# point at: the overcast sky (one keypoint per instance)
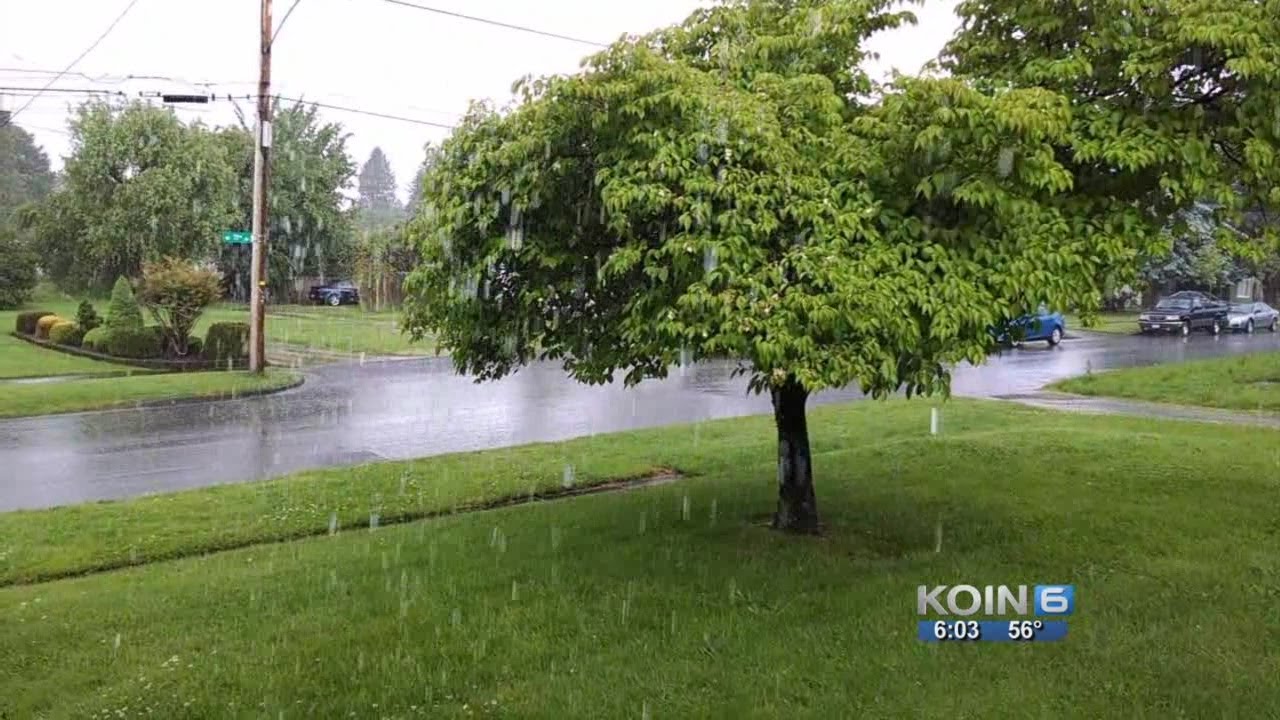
(369, 54)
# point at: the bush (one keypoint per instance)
(227, 340)
(176, 292)
(135, 343)
(123, 313)
(66, 333)
(97, 339)
(17, 270)
(26, 323)
(86, 317)
(46, 322)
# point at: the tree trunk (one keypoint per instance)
(797, 505)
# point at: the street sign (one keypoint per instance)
(237, 237)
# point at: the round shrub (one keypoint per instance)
(96, 339)
(135, 343)
(86, 317)
(226, 340)
(46, 322)
(66, 333)
(26, 321)
(195, 347)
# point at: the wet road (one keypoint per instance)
(411, 408)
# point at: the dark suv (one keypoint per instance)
(335, 294)
(1185, 311)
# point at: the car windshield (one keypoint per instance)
(1242, 308)
(1174, 304)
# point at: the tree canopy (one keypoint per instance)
(734, 187)
(24, 170)
(377, 201)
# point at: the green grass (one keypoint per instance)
(44, 398)
(675, 601)
(21, 359)
(1113, 323)
(1242, 382)
(342, 329)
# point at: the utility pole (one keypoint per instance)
(261, 184)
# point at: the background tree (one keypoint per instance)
(311, 228)
(24, 171)
(415, 186)
(1196, 256)
(123, 313)
(377, 202)
(17, 269)
(139, 185)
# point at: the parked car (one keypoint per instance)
(1183, 312)
(335, 294)
(1043, 325)
(1247, 316)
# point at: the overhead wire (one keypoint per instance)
(79, 57)
(496, 23)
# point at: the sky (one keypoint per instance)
(369, 54)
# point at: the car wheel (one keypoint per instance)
(1248, 327)
(335, 301)
(1273, 325)
(1055, 337)
(1186, 328)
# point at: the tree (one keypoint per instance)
(1195, 256)
(176, 292)
(17, 269)
(24, 170)
(311, 232)
(734, 187)
(415, 187)
(377, 201)
(123, 313)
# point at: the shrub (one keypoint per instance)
(97, 339)
(17, 270)
(66, 333)
(226, 340)
(136, 343)
(26, 323)
(176, 292)
(46, 322)
(195, 346)
(123, 313)
(86, 317)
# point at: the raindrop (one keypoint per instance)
(722, 132)
(287, 224)
(815, 22)
(714, 510)
(506, 196)
(644, 518)
(1004, 163)
(373, 521)
(703, 153)
(455, 618)
(555, 537)
(333, 523)
(733, 590)
(567, 481)
(117, 642)
(515, 591)
(710, 261)
(644, 711)
(685, 508)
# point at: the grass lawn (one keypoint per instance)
(1242, 382)
(21, 359)
(675, 601)
(1115, 323)
(342, 329)
(43, 398)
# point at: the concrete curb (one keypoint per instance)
(143, 404)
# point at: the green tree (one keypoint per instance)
(17, 269)
(734, 187)
(311, 230)
(24, 170)
(123, 312)
(139, 185)
(377, 202)
(176, 292)
(415, 186)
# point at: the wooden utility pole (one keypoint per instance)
(261, 185)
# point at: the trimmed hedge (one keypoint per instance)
(26, 321)
(46, 322)
(66, 333)
(137, 343)
(96, 339)
(226, 340)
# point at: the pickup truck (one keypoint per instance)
(1183, 312)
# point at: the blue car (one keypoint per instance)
(1044, 325)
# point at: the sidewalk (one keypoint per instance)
(1120, 406)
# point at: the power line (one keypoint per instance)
(370, 113)
(496, 23)
(79, 57)
(117, 79)
(283, 21)
(36, 92)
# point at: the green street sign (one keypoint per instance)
(237, 237)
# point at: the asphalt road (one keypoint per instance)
(348, 414)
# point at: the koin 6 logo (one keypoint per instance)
(994, 600)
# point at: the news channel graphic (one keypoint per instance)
(950, 609)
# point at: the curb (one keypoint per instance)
(143, 404)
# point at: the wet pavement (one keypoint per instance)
(353, 413)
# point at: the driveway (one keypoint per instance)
(354, 413)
